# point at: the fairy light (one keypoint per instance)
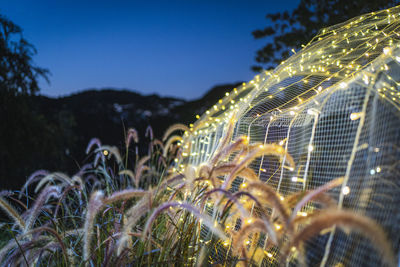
(346, 190)
(269, 255)
(312, 111)
(248, 221)
(386, 50)
(355, 116)
(302, 214)
(105, 152)
(336, 63)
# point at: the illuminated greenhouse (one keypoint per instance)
(334, 106)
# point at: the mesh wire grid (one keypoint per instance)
(335, 108)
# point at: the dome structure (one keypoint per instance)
(334, 106)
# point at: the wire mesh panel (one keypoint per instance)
(334, 107)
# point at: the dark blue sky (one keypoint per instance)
(176, 48)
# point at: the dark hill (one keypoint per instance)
(52, 133)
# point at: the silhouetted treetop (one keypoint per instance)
(18, 74)
(290, 30)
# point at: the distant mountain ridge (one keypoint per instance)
(52, 133)
(106, 112)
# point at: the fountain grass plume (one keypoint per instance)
(22, 245)
(149, 133)
(97, 158)
(174, 128)
(58, 238)
(129, 173)
(170, 214)
(272, 197)
(204, 170)
(344, 219)
(225, 169)
(124, 195)
(239, 194)
(15, 243)
(254, 225)
(226, 139)
(206, 220)
(42, 252)
(140, 168)
(33, 178)
(62, 197)
(94, 205)
(12, 213)
(44, 196)
(133, 215)
(92, 142)
(132, 134)
(86, 167)
(51, 178)
(310, 195)
(170, 141)
(229, 149)
(257, 151)
(322, 198)
(229, 195)
(157, 142)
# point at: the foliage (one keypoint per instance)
(109, 215)
(28, 139)
(290, 30)
(18, 74)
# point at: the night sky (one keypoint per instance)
(175, 48)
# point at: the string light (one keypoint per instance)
(269, 255)
(346, 190)
(346, 52)
(355, 116)
(249, 221)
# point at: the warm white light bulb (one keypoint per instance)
(346, 190)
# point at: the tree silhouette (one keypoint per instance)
(28, 139)
(290, 30)
(18, 74)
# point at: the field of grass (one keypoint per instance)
(144, 210)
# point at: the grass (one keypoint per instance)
(153, 214)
